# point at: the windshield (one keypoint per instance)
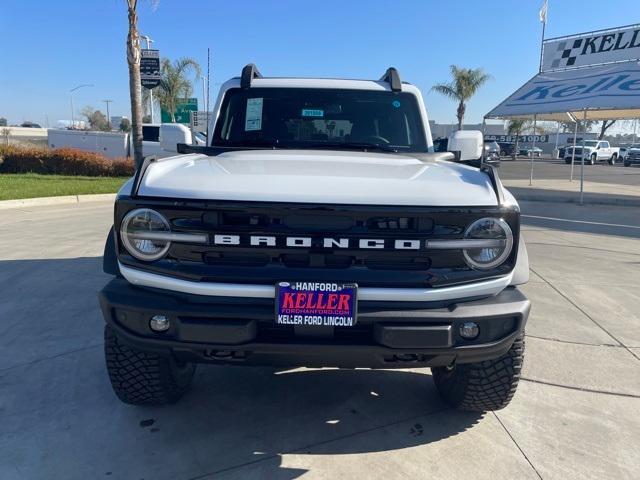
(320, 118)
(590, 143)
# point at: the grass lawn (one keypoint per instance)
(30, 185)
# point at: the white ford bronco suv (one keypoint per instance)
(316, 229)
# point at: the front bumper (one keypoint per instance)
(243, 331)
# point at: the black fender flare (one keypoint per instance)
(109, 257)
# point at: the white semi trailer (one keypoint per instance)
(157, 139)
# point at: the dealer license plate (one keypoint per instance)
(316, 304)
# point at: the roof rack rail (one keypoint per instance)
(249, 72)
(392, 77)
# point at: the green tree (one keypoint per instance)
(569, 127)
(125, 125)
(519, 125)
(464, 85)
(97, 120)
(3, 122)
(175, 83)
(5, 133)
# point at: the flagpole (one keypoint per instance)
(544, 24)
(543, 19)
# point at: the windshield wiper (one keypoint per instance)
(347, 146)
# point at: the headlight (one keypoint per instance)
(144, 233)
(488, 257)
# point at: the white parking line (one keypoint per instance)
(582, 221)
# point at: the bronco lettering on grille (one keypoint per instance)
(321, 242)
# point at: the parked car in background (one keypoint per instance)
(593, 151)
(491, 146)
(506, 149)
(562, 150)
(530, 151)
(624, 149)
(30, 125)
(632, 156)
(440, 144)
(492, 153)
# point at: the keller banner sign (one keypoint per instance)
(594, 48)
(150, 68)
(606, 88)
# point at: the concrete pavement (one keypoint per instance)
(574, 416)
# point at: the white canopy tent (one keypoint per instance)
(602, 92)
(605, 92)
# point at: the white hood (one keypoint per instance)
(306, 176)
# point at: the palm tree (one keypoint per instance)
(516, 127)
(519, 125)
(174, 83)
(465, 83)
(135, 87)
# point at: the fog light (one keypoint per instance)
(159, 323)
(469, 330)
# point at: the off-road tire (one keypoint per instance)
(481, 386)
(144, 378)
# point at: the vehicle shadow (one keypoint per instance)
(267, 413)
(237, 422)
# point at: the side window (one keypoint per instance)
(604, 144)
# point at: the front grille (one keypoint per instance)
(269, 264)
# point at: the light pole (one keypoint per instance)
(73, 121)
(204, 94)
(108, 117)
(149, 42)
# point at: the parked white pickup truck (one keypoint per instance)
(593, 151)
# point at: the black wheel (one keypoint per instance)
(482, 386)
(144, 378)
(612, 160)
(568, 162)
(592, 160)
(627, 164)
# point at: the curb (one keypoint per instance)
(550, 196)
(575, 198)
(61, 200)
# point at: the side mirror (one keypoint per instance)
(171, 134)
(466, 144)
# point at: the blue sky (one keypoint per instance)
(50, 47)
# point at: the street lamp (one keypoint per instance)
(204, 93)
(73, 122)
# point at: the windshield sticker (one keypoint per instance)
(253, 118)
(312, 112)
(396, 103)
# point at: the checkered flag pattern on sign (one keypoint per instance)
(570, 50)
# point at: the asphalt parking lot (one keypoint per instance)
(575, 414)
(550, 169)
